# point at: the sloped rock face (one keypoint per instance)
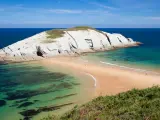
(71, 43)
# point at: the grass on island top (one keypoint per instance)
(132, 105)
(57, 33)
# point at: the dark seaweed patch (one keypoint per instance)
(36, 100)
(25, 75)
(5, 89)
(20, 101)
(2, 70)
(23, 103)
(2, 103)
(21, 94)
(50, 87)
(39, 78)
(29, 113)
(7, 84)
(74, 83)
(65, 96)
(26, 104)
(14, 105)
(64, 85)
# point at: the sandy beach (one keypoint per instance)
(107, 79)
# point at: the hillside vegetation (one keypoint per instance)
(132, 105)
(56, 33)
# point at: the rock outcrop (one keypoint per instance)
(73, 41)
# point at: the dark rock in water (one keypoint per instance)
(36, 100)
(20, 101)
(39, 77)
(5, 89)
(19, 94)
(2, 103)
(26, 94)
(51, 108)
(14, 105)
(22, 94)
(64, 85)
(30, 113)
(76, 83)
(27, 118)
(8, 84)
(25, 104)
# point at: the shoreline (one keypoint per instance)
(108, 79)
(131, 68)
(5, 59)
(97, 78)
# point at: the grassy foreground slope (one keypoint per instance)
(132, 105)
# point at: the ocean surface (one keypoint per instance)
(146, 56)
(31, 89)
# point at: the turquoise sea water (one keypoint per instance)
(30, 88)
(146, 56)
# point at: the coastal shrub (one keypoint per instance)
(131, 105)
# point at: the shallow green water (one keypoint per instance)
(136, 57)
(29, 87)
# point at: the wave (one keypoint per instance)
(95, 80)
(125, 67)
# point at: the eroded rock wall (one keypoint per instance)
(72, 43)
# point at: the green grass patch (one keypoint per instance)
(57, 33)
(80, 28)
(131, 105)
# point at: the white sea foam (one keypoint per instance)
(95, 80)
(135, 69)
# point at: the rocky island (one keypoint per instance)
(63, 42)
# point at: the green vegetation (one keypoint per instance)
(80, 28)
(57, 33)
(53, 34)
(132, 105)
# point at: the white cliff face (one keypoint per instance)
(72, 43)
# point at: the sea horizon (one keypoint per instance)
(75, 26)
